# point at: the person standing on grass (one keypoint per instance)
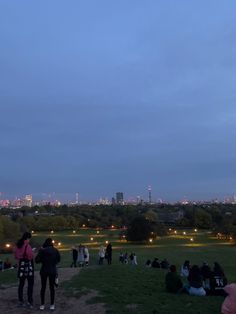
(49, 257)
(109, 253)
(86, 256)
(101, 255)
(81, 255)
(74, 256)
(24, 257)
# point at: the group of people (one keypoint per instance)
(156, 263)
(201, 281)
(124, 258)
(6, 264)
(80, 256)
(48, 257)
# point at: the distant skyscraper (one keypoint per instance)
(120, 198)
(77, 198)
(149, 194)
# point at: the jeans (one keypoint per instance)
(44, 278)
(29, 290)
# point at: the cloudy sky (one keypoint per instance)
(104, 96)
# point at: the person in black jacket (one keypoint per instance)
(109, 253)
(49, 257)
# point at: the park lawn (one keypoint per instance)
(127, 289)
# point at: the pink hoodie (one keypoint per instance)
(20, 252)
(229, 304)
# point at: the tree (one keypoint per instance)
(139, 229)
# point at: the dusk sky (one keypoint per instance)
(98, 97)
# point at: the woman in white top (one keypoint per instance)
(101, 255)
(86, 255)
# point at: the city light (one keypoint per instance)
(74, 231)
(59, 243)
(53, 241)
(231, 238)
(175, 232)
(32, 231)
(170, 229)
(112, 227)
(83, 225)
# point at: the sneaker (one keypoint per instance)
(42, 307)
(52, 307)
(29, 305)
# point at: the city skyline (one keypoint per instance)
(115, 96)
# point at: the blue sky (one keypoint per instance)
(104, 96)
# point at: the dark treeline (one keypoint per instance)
(216, 217)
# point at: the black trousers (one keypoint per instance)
(29, 290)
(109, 259)
(74, 263)
(44, 278)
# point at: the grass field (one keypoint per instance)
(136, 289)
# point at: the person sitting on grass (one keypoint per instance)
(121, 258)
(126, 258)
(148, 263)
(184, 272)
(7, 264)
(206, 275)
(173, 281)
(218, 280)
(133, 259)
(195, 282)
(229, 304)
(155, 263)
(164, 264)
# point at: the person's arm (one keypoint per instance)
(58, 257)
(38, 258)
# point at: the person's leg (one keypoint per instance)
(43, 287)
(30, 289)
(52, 289)
(20, 289)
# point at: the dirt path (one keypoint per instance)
(64, 304)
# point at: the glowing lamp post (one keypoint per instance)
(74, 231)
(52, 231)
(106, 242)
(91, 238)
(98, 231)
(150, 240)
(191, 239)
(8, 245)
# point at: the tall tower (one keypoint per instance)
(77, 198)
(149, 194)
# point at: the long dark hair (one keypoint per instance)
(48, 242)
(21, 241)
